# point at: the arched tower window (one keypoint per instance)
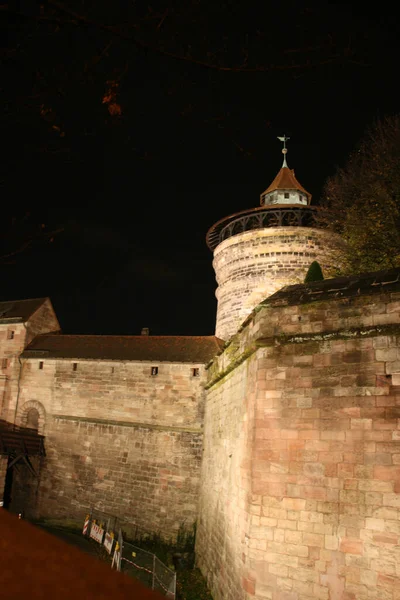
(32, 415)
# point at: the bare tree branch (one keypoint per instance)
(20, 236)
(75, 18)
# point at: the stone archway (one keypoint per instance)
(24, 481)
(33, 415)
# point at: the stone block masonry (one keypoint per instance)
(118, 438)
(224, 515)
(142, 474)
(12, 342)
(252, 265)
(295, 485)
(302, 498)
(14, 336)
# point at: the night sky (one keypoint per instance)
(133, 194)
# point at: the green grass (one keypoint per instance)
(190, 585)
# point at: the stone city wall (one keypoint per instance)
(323, 478)
(224, 516)
(117, 438)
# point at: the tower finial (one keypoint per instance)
(284, 139)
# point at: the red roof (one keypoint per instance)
(188, 349)
(19, 310)
(286, 180)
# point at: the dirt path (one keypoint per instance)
(79, 541)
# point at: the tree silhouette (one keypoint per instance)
(314, 273)
(362, 200)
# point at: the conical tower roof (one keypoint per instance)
(286, 180)
(285, 188)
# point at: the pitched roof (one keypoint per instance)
(19, 310)
(376, 282)
(286, 180)
(187, 349)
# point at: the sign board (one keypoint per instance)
(86, 525)
(116, 561)
(108, 542)
(97, 532)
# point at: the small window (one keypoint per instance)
(74, 366)
(10, 334)
(4, 363)
(196, 372)
(154, 370)
(40, 364)
(286, 194)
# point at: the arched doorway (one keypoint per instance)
(33, 415)
(22, 451)
(23, 475)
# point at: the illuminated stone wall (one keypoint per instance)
(118, 439)
(300, 492)
(14, 337)
(252, 265)
(224, 517)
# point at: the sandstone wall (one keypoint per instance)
(44, 320)
(118, 438)
(14, 337)
(252, 265)
(224, 522)
(10, 349)
(325, 453)
(3, 471)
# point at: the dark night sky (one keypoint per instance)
(135, 195)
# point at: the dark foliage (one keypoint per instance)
(314, 273)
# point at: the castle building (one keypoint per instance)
(279, 436)
(122, 418)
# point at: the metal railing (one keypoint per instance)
(260, 218)
(111, 532)
(146, 567)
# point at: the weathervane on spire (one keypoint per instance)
(284, 139)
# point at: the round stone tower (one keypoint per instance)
(259, 250)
